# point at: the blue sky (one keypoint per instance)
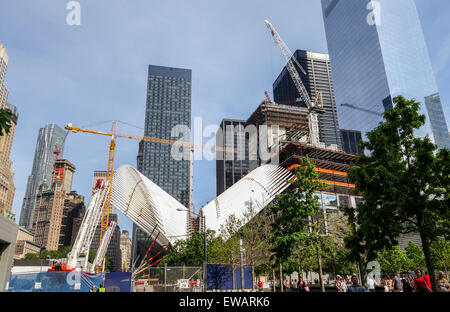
(97, 71)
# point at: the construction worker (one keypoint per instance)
(101, 288)
(92, 289)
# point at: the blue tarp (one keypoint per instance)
(118, 282)
(220, 276)
(54, 282)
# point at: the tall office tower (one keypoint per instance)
(167, 116)
(168, 106)
(49, 210)
(231, 167)
(7, 188)
(74, 209)
(44, 158)
(350, 141)
(377, 51)
(317, 78)
(3, 65)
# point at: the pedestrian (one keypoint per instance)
(101, 288)
(420, 283)
(442, 283)
(389, 284)
(371, 283)
(338, 283)
(344, 284)
(260, 285)
(427, 279)
(406, 285)
(355, 287)
(92, 288)
(397, 283)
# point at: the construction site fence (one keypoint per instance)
(69, 282)
(170, 279)
(191, 279)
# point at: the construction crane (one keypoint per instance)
(110, 168)
(361, 109)
(101, 252)
(88, 225)
(315, 106)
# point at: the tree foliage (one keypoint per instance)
(405, 183)
(6, 119)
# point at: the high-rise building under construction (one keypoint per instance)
(317, 77)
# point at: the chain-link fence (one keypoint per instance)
(169, 279)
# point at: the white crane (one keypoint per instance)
(88, 225)
(101, 252)
(313, 107)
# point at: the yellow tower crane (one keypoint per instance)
(112, 150)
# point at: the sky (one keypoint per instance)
(97, 71)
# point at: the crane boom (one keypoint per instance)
(89, 224)
(313, 107)
(288, 57)
(101, 251)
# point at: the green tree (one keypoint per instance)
(190, 251)
(255, 234)
(298, 218)
(6, 119)
(229, 232)
(440, 251)
(393, 260)
(416, 257)
(405, 183)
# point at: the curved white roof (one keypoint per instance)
(259, 187)
(148, 205)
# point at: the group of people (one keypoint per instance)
(421, 283)
(100, 289)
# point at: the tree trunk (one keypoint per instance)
(253, 277)
(281, 278)
(234, 277)
(319, 263)
(428, 260)
(273, 281)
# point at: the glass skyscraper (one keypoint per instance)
(168, 106)
(44, 159)
(231, 167)
(377, 51)
(317, 78)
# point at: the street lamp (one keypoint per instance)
(205, 244)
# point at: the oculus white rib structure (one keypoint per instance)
(148, 205)
(259, 187)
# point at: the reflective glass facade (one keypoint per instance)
(317, 78)
(42, 170)
(231, 167)
(168, 105)
(375, 59)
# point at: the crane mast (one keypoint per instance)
(313, 107)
